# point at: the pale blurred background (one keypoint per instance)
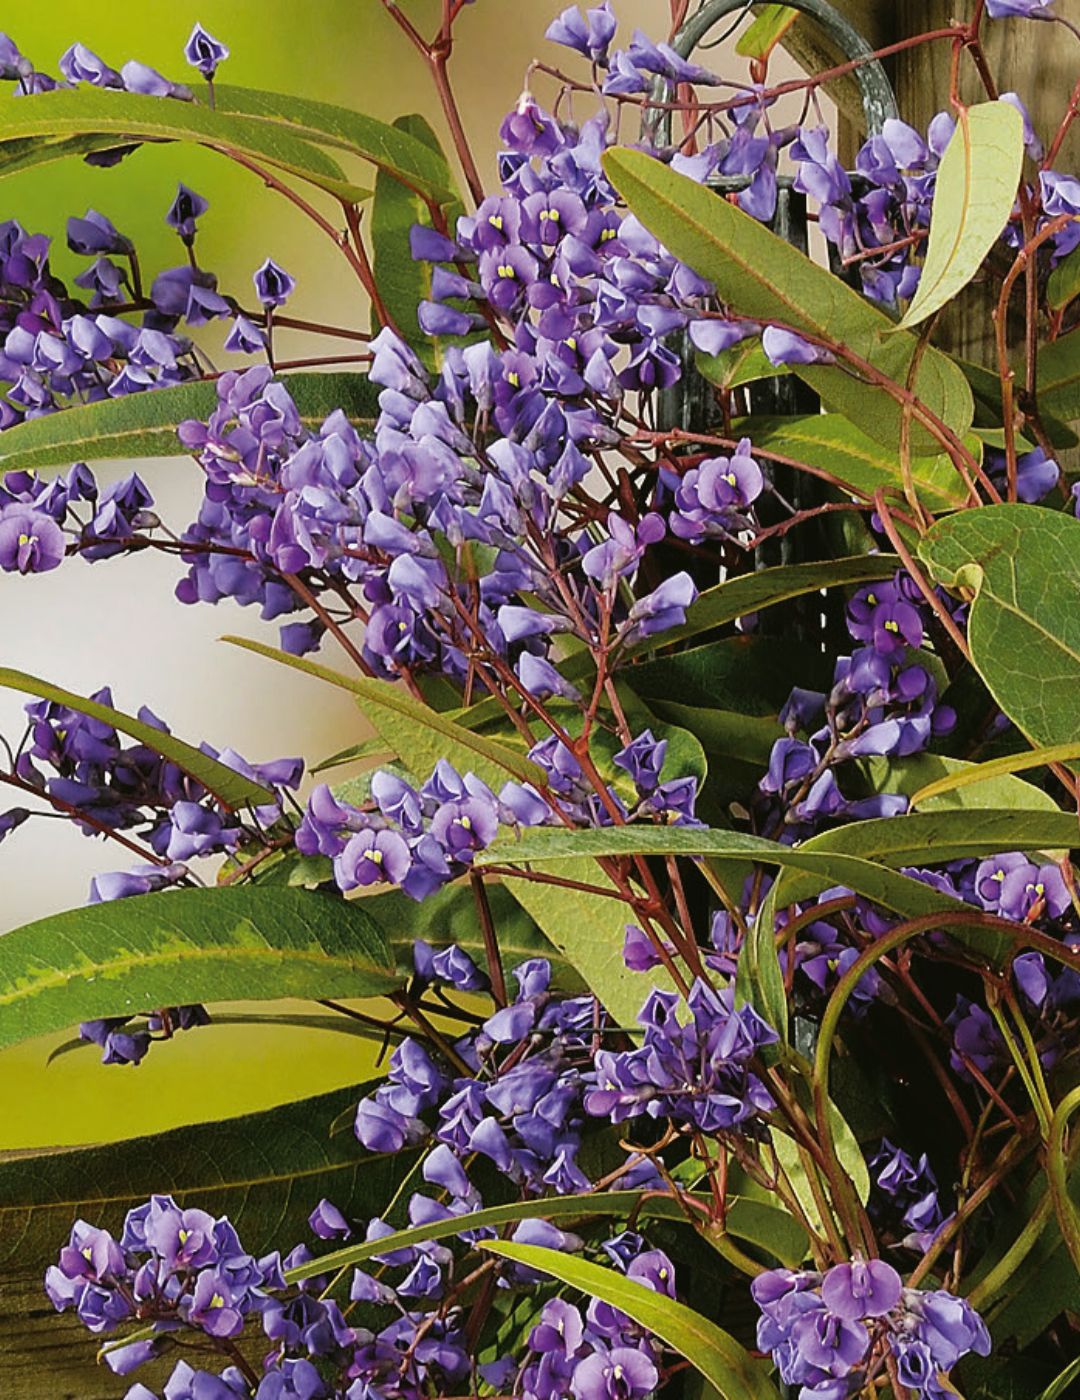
(116, 622)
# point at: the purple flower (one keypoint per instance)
(30, 541)
(1023, 9)
(370, 857)
(589, 34)
(204, 52)
(81, 65)
(663, 608)
(861, 1289)
(623, 1373)
(184, 210)
(273, 285)
(784, 347)
(328, 1223)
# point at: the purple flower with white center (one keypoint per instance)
(861, 1289)
(623, 1373)
(204, 52)
(273, 285)
(30, 541)
(370, 858)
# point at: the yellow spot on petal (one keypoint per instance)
(496, 221)
(217, 1301)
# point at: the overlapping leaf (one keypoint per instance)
(242, 943)
(759, 275)
(144, 425)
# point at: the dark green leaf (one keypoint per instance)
(761, 276)
(974, 196)
(718, 1356)
(243, 943)
(748, 673)
(126, 116)
(758, 979)
(1022, 563)
(419, 736)
(230, 787)
(266, 1171)
(144, 425)
(450, 917)
(1064, 283)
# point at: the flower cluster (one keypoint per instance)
(124, 1044)
(697, 1074)
(907, 1190)
(827, 1331)
(522, 1112)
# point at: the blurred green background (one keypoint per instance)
(118, 622)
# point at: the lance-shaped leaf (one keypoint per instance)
(417, 735)
(913, 775)
(973, 200)
(395, 149)
(759, 275)
(242, 943)
(126, 117)
(726, 1365)
(228, 786)
(899, 893)
(1022, 564)
(940, 836)
(1064, 282)
(995, 768)
(829, 444)
(768, 587)
(144, 425)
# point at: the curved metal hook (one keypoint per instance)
(879, 100)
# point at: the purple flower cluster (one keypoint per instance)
(826, 1331)
(883, 702)
(41, 521)
(124, 1044)
(698, 1074)
(417, 839)
(601, 1354)
(906, 1189)
(522, 1112)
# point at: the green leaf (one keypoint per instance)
(1022, 563)
(450, 917)
(266, 1171)
(758, 978)
(228, 786)
(144, 425)
(718, 1356)
(417, 735)
(127, 116)
(979, 773)
(833, 445)
(905, 896)
(765, 589)
(565, 1208)
(395, 149)
(1060, 1385)
(1059, 377)
(588, 930)
(973, 201)
(940, 836)
(241, 943)
(986, 386)
(911, 775)
(772, 23)
(403, 282)
(761, 276)
(744, 363)
(1064, 283)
